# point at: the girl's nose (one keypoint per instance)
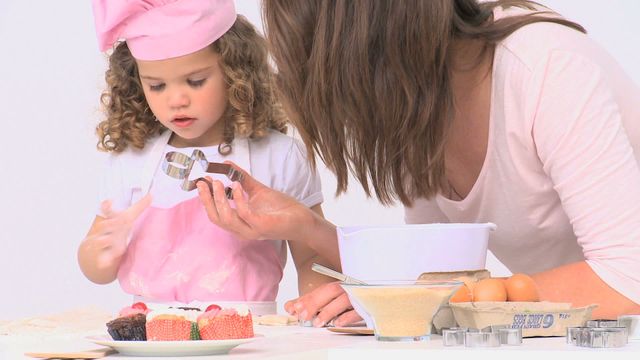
(178, 99)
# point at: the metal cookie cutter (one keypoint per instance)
(632, 323)
(482, 339)
(602, 323)
(591, 336)
(572, 334)
(490, 336)
(185, 163)
(453, 336)
(510, 336)
(608, 337)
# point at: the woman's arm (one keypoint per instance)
(578, 284)
(263, 213)
(303, 257)
(585, 149)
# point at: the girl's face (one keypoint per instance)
(187, 94)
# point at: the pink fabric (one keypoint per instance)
(177, 254)
(561, 177)
(162, 29)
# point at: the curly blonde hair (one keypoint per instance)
(251, 110)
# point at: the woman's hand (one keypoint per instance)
(326, 303)
(261, 213)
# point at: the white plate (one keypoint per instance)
(170, 348)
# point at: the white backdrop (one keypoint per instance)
(50, 79)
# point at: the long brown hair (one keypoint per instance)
(252, 108)
(367, 83)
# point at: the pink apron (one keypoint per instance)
(177, 254)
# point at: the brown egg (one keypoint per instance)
(489, 290)
(463, 294)
(469, 281)
(521, 287)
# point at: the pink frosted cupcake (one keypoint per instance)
(170, 324)
(130, 324)
(231, 323)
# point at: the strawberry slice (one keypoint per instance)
(213, 306)
(139, 306)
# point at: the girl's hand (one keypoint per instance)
(109, 238)
(326, 303)
(261, 213)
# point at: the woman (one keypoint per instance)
(464, 112)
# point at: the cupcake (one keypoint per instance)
(195, 333)
(230, 323)
(130, 324)
(170, 324)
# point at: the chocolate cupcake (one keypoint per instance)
(128, 328)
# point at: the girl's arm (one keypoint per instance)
(100, 252)
(303, 257)
(95, 261)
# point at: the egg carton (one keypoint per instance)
(534, 318)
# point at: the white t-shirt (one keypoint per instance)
(277, 160)
(561, 177)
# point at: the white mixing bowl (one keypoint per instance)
(403, 252)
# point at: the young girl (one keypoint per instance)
(189, 76)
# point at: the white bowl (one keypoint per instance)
(406, 251)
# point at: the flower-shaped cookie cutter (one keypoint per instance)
(185, 163)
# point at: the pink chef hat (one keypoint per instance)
(162, 29)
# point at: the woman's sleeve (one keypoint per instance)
(584, 148)
(300, 180)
